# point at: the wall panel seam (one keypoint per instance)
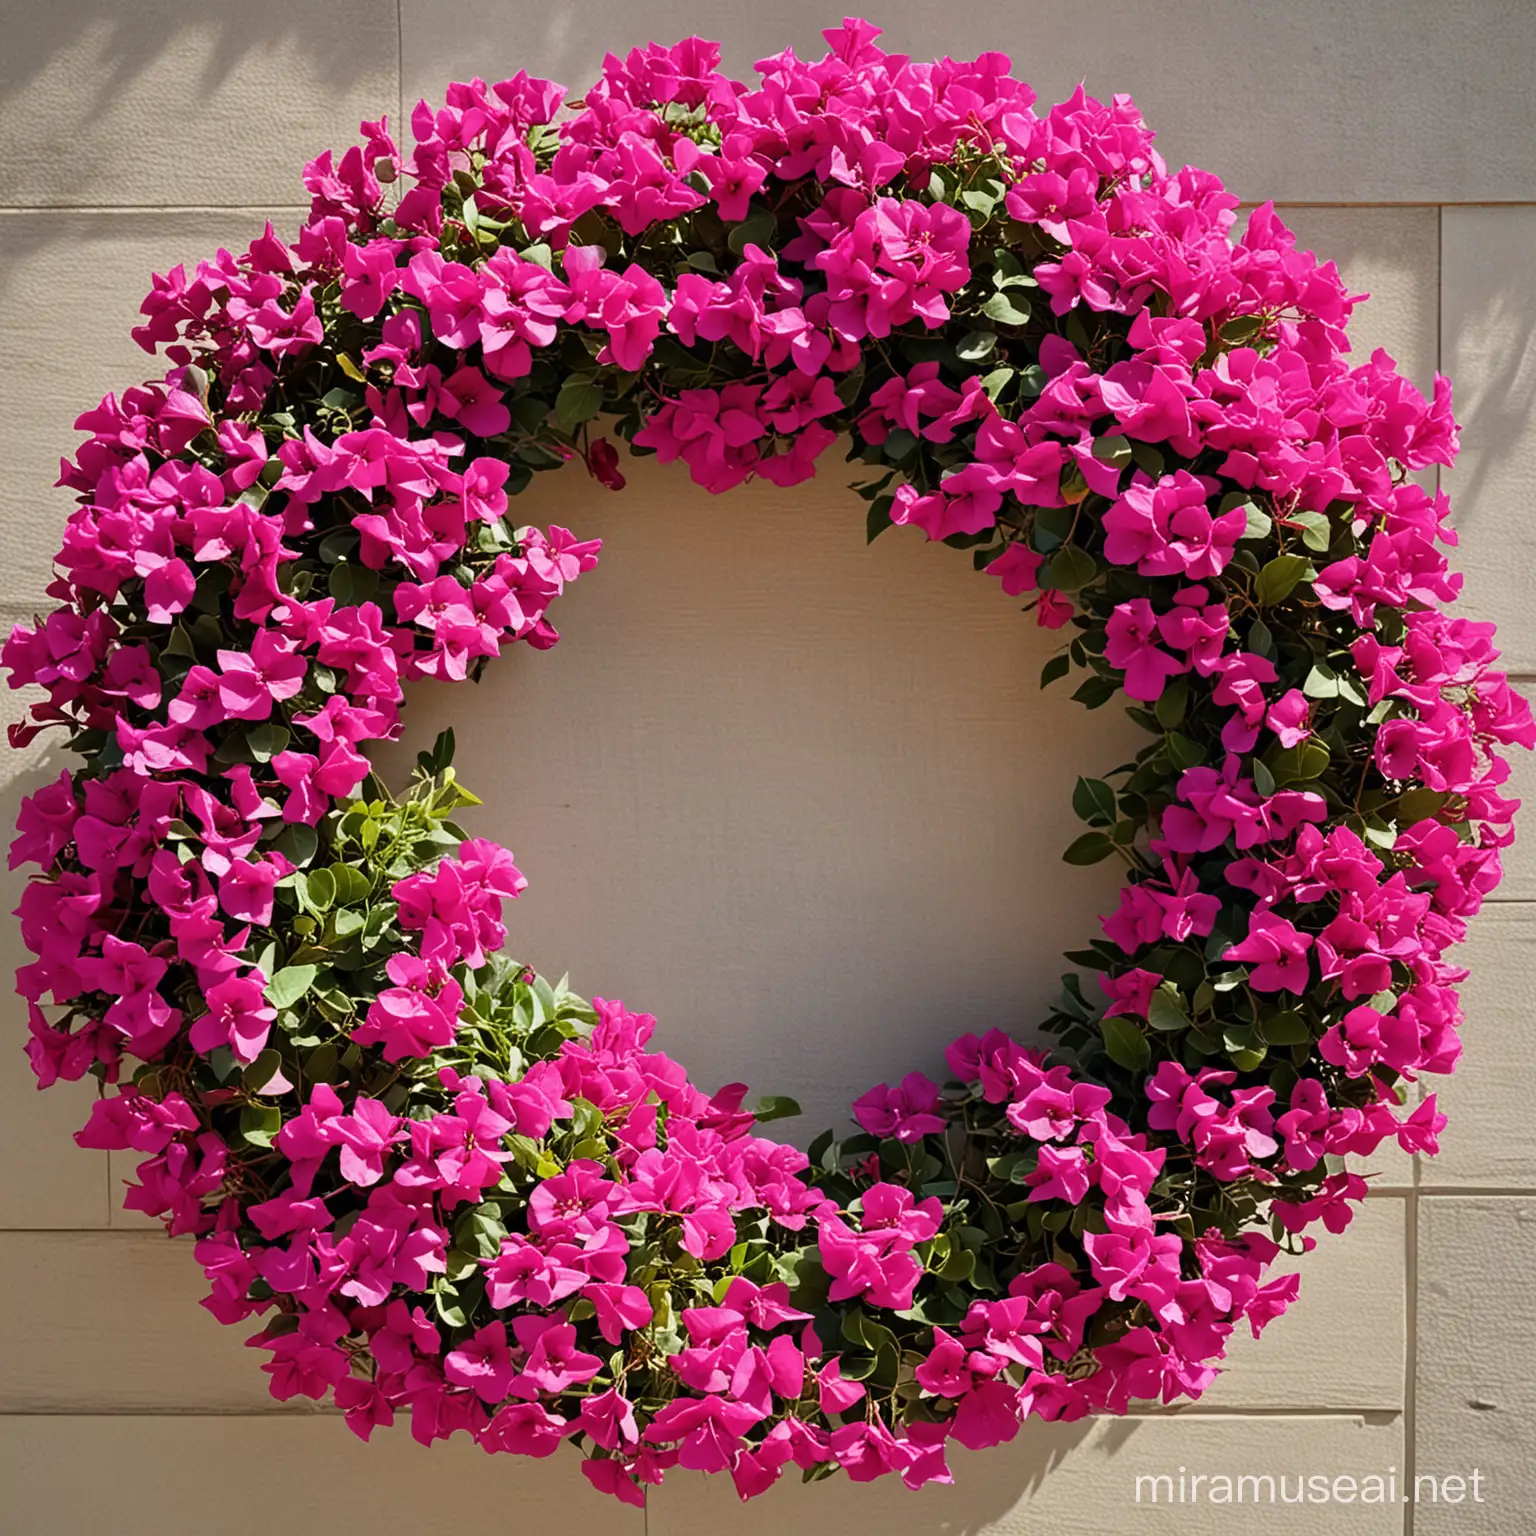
(32, 210)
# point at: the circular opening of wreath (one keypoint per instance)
(454, 1191)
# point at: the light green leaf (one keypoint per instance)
(290, 984)
(1006, 309)
(1278, 579)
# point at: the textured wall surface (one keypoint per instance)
(798, 798)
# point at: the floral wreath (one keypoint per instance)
(453, 1190)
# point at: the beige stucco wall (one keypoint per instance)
(798, 798)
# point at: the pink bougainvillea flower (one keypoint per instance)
(238, 1016)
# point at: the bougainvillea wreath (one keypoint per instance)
(454, 1191)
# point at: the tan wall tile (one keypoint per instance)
(70, 289)
(166, 102)
(1342, 1344)
(1490, 356)
(303, 1476)
(1393, 254)
(1491, 1139)
(110, 1321)
(1476, 1406)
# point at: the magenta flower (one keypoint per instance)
(1364, 1037)
(483, 1363)
(522, 1272)
(707, 1431)
(417, 1014)
(1166, 529)
(553, 1362)
(627, 306)
(246, 888)
(250, 684)
(1277, 951)
(1131, 631)
(239, 1017)
(469, 398)
(908, 1112)
(370, 275)
(365, 1137)
(527, 1429)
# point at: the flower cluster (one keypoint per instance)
(453, 1193)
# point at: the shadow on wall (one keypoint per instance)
(992, 1491)
(1489, 342)
(801, 798)
(114, 44)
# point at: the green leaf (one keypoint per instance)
(1090, 848)
(440, 755)
(1006, 309)
(1259, 525)
(878, 518)
(1057, 667)
(996, 382)
(266, 740)
(261, 1071)
(1165, 1010)
(975, 346)
(1316, 530)
(1069, 569)
(1125, 1043)
(353, 585)
(1285, 1029)
(290, 984)
(319, 889)
(1170, 707)
(1279, 577)
(579, 400)
(352, 885)
(776, 1106)
(298, 843)
(758, 228)
(1032, 381)
(849, 385)
(1419, 804)
(259, 1123)
(1094, 692)
(1238, 332)
(1094, 801)
(1113, 449)
(1322, 682)
(1298, 764)
(1184, 753)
